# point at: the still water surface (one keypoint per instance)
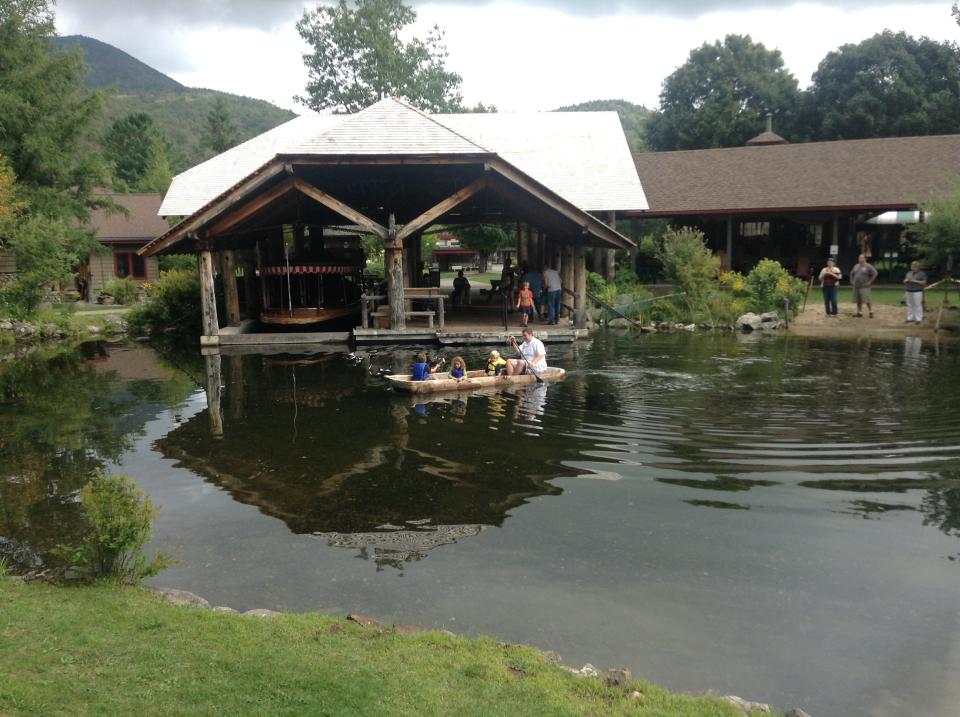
(774, 517)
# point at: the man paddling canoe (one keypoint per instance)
(533, 355)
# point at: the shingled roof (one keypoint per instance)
(868, 174)
(582, 156)
(142, 224)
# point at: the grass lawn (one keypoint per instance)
(473, 278)
(881, 295)
(107, 650)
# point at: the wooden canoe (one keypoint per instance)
(473, 381)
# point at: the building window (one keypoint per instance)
(129, 263)
(754, 229)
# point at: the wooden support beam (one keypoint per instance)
(214, 392)
(229, 200)
(393, 268)
(334, 204)
(580, 287)
(228, 272)
(247, 210)
(208, 298)
(250, 284)
(610, 255)
(729, 256)
(522, 245)
(566, 272)
(438, 210)
(559, 205)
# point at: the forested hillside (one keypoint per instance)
(131, 86)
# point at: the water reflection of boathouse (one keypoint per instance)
(295, 440)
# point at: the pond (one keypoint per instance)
(774, 517)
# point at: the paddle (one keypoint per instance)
(524, 359)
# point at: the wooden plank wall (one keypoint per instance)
(101, 270)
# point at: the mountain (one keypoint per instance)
(130, 85)
(112, 67)
(632, 117)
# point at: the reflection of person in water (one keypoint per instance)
(531, 401)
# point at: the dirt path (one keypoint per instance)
(887, 320)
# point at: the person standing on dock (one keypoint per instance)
(862, 277)
(829, 278)
(533, 355)
(914, 282)
(553, 287)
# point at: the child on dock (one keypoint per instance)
(422, 370)
(458, 368)
(495, 364)
(525, 302)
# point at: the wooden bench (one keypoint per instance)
(427, 314)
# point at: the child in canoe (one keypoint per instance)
(525, 304)
(458, 368)
(495, 364)
(422, 370)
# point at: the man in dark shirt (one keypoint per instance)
(914, 282)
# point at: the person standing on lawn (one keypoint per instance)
(553, 287)
(829, 278)
(914, 282)
(862, 277)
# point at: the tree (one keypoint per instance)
(721, 95)
(11, 208)
(484, 238)
(633, 118)
(138, 153)
(938, 236)
(221, 133)
(359, 58)
(890, 85)
(46, 114)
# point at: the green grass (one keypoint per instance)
(880, 295)
(473, 278)
(107, 650)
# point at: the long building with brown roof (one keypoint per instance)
(799, 202)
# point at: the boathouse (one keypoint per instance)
(281, 217)
(801, 203)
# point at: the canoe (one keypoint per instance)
(473, 381)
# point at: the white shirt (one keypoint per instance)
(530, 350)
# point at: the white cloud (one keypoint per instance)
(517, 55)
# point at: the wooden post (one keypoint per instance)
(610, 255)
(523, 247)
(393, 268)
(228, 270)
(580, 286)
(596, 260)
(729, 266)
(235, 391)
(440, 312)
(213, 391)
(208, 298)
(250, 285)
(566, 276)
(364, 312)
(534, 250)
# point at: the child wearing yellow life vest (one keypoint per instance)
(495, 364)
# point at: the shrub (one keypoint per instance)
(174, 262)
(123, 291)
(174, 301)
(596, 284)
(119, 520)
(768, 284)
(687, 262)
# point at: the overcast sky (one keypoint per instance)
(520, 55)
